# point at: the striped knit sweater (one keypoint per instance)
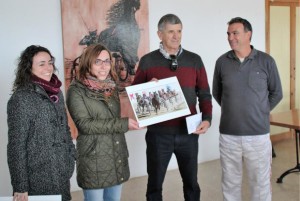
(192, 78)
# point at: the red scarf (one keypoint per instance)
(52, 87)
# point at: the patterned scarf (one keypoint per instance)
(105, 87)
(166, 54)
(52, 87)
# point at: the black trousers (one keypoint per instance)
(160, 147)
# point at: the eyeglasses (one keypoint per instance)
(105, 62)
(174, 64)
(108, 90)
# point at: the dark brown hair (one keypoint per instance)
(88, 58)
(23, 71)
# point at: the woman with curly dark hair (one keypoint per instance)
(40, 151)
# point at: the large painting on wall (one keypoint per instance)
(121, 25)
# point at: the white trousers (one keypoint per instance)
(256, 154)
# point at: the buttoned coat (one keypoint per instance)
(101, 144)
(40, 151)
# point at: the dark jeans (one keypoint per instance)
(160, 147)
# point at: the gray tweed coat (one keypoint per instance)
(40, 151)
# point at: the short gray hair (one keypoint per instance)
(168, 19)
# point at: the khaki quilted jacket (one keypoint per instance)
(101, 145)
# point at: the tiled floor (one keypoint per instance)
(210, 180)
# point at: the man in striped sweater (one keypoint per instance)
(168, 137)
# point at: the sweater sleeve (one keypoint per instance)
(274, 87)
(217, 85)
(140, 76)
(204, 95)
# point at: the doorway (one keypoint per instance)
(283, 44)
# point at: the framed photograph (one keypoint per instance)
(157, 101)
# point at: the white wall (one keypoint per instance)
(204, 31)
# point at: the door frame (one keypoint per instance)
(292, 4)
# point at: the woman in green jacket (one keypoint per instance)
(94, 105)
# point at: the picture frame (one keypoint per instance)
(157, 101)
